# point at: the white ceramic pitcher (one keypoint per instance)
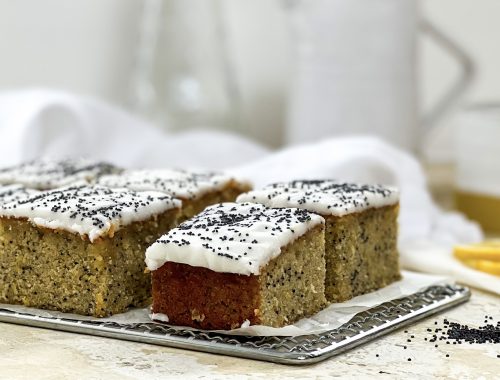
(356, 71)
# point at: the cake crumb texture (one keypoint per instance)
(58, 270)
(361, 252)
(289, 288)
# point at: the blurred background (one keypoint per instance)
(423, 75)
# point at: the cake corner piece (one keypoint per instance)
(81, 249)
(238, 264)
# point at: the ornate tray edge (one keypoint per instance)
(457, 295)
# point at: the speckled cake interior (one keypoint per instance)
(239, 264)
(361, 253)
(93, 262)
(360, 233)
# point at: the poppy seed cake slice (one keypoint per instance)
(360, 230)
(81, 249)
(237, 264)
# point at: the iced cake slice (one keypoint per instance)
(81, 249)
(45, 174)
(197, 190)
(360, 231)
(237, 264)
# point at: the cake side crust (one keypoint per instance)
(58, 270)
(290, 287)
(361, 252)
(191, 207)
(201, 298)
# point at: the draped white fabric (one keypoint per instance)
(47, 123)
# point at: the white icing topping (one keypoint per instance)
(11, 193)
(323, 197)
(177, 183)
(46, 174)
(159, 317)
(94, 211)
(232, 238)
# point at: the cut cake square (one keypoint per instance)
(81, 249)
(239, 264)
(360, 232)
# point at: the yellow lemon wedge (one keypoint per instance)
(483, 256)
(488, 250)
(492, 267)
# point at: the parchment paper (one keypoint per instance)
(330, 318)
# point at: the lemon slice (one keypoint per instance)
(492, 267)
(488, 250)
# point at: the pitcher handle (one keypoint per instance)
(455, 91)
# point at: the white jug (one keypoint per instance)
(356, 71)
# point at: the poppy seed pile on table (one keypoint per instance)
(77, 236)
(441, 335)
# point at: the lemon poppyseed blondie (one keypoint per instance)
(237, 264)
(196, 189)
(360, 231)
(81, 249)
(45, 174)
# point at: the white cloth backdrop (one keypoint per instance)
(47, 123)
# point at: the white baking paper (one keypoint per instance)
(330, 318)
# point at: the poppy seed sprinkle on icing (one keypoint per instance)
(325, 197)
(232, 238)
(11, 193)
(45, 174)
(176, 183)
(92, 211)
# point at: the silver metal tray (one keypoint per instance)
(305, 349)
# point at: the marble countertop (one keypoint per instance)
(33, 353)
